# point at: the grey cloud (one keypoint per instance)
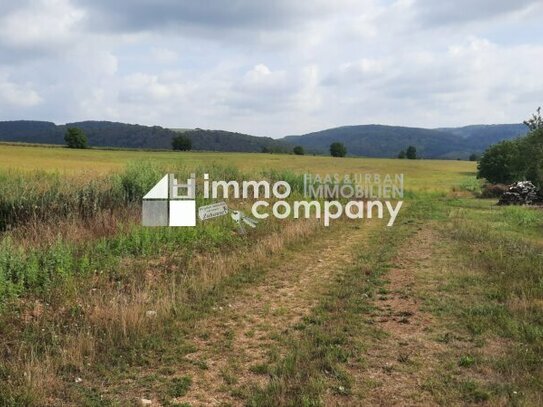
(434, 13)
(214, 15)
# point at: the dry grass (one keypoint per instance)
(102, 224)
(99, 317)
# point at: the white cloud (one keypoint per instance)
(17, 95)
(164, 55)
(41, 25)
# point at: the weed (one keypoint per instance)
(179, 386)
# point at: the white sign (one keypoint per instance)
(212, 211)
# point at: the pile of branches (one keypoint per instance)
(521, 193)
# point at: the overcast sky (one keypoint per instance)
(271, 68)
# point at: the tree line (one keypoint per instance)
(518, 159)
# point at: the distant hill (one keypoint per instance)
(479, 137)
(122, 135)
(364, 140)
(387, 141)
(220, 140)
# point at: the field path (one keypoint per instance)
(396, 366)
(239, 336)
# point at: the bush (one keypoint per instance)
(531, 157)
(516, 160)
(298, 150)
(75, 138)
(401, 154)
(181, 143)
(500, 163)
(411, 153)
(338, 150)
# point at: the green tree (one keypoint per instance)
(530, 159)
(75, 138)
(298, 150)
(338, 150)
(181, 143)
(474, 157)
(501, 163)
(536, 121)
(515, 160)
(401, 154)
(411, 153)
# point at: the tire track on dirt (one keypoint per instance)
(396, 366)
(240, 334)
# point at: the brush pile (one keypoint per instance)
(521, 193)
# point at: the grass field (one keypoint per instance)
(420, 174)
(443, 308)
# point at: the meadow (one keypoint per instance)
(420, 174)
(444, 308)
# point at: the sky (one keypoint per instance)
(271, 68)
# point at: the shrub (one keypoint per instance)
(516, 160)
(338, 150)
(298, 150)
(75, 138)
(500, 163)
(138, 178)
(182, 143)
(411, 153)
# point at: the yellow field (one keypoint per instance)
(419, 174)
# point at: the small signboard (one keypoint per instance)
(212, 211)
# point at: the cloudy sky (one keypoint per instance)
(271, 68)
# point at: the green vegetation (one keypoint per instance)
(411, 153)
(499, 163)
(181, 143)
(298, 150)
(520, 159)
(363, 140)
(75, 138)
(383, 141)
(338, 150)
(123, 135)
(97, 310)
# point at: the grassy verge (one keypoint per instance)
(489, 299)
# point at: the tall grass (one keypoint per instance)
(40, 196)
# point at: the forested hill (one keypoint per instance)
(363, 140)
(386, 141)
(122, 135)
